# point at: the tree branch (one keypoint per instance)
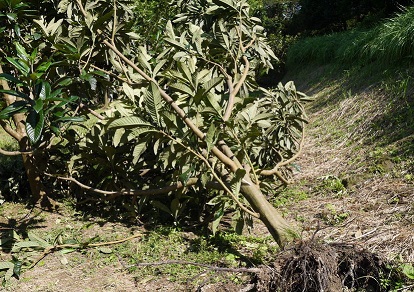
(275, 170)
(149, 192)
(91, 111)
(10, 131)
(220, 155)
(236, 89)
(14, 153)
(53, 248)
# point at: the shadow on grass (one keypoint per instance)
(12, 230)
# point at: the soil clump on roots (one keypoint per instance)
(313, 266)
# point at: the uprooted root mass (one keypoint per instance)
(312, 266)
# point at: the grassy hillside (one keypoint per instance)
(390, 43)
(357, 165)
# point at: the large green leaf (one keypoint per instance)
(34, 125)
(235, 183)
(14, 93)
(21, 52)
(129, 122)
(153, 103)
(15, 107)
(10, 78)
(19, 65)
(211, 137)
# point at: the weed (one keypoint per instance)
(289, 196)
(331, 216)
(331, 185)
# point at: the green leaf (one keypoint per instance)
(15, 107)
(71, 119)
(65, 81)
(139, 131)
(158, 67)
(138, 150)
(182, 88)
(212, 83)
(175, 44)
(34, 125)
(21, 52)
(116, 139)
(105, 250)
(128, 122)
(25, 244)
(218, 215)
(185, 176)
(235, 183)
(14, 93)
(408, 270)
(161, 206)
(225, 3)
(33, 237)
(17, 268)
(38, 106)
(128, 90)
(43, 67)
(239, 225)
(67, 250)
(19, 65)
(210, 137)
(153, 103)
(6, 265)
(11, 78)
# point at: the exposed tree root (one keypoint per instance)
(313, 266)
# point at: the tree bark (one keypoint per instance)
(278, 227)
(33, 176)
(19, 134)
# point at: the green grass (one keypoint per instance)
(390, 42)
(6, 141)
(160, 244)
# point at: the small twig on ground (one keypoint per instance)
(53, 248)
(214, 268)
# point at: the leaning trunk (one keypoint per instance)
(278, 227)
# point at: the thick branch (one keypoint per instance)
(10, 131)
(13, 153)
(236, 89)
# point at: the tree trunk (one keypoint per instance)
(32, 167)
(278, 227)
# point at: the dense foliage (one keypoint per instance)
(184, 121)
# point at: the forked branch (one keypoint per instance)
(275, 170)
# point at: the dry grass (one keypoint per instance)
(378, 205)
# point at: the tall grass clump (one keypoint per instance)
(390, 42)
(394, 39)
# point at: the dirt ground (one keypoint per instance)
(373, 213)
